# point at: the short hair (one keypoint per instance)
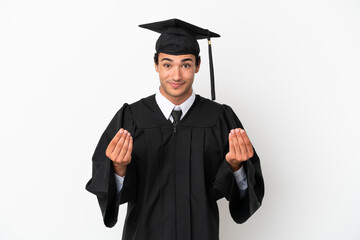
(156, 59)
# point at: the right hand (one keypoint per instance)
(119, 151)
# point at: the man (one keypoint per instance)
(172, 155)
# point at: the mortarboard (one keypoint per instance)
(179, 37)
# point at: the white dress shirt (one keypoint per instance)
(166, 108)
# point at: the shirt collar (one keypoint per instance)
(166, 106)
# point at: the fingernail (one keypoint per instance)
(125, 132)
(242, 131)
(121, 130)
(232, 131)
(237, 130)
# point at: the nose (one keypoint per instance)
(176, 75)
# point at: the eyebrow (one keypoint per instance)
(182, 60)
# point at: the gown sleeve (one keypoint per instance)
(102, 183)
(225, 185)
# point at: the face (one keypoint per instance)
(176, 73)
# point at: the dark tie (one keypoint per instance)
(176, 115)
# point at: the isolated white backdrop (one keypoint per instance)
(290, 70)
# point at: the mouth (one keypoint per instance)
(176, 84)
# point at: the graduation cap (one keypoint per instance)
(179, 38)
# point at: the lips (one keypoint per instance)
(176, 84)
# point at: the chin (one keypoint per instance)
(176, 94)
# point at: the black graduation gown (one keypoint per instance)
(175, 177)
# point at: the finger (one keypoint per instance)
(248, 144)
(241, 144)
(231, 143)
(236, 144)
(119, 145)
(113, 142)
(124, 149)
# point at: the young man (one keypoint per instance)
(172, 155)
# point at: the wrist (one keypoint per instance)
(120, 170)
(235, 166)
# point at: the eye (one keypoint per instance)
(186, 65)
(166, 65)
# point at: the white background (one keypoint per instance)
(290, 70)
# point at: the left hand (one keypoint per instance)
(240, 148)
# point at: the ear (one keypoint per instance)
(156, 67)
(198, 67)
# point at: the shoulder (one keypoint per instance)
(214, 108)
(138, 105)
(207, 113)
(146, 101)
(129, 111)
(146, 113)
(207, 102)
